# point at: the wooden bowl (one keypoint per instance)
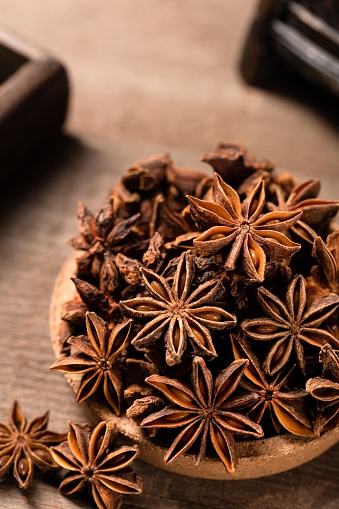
(257, 458)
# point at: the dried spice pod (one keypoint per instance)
(290, 325)
(239, 229)
(94, 462)
(95, 358)
(316, 212)
(177, 315)
(25, 446)
(204, 272)
(205, 409)
(285, 403)
(325, 390)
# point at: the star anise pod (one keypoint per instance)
(205, 408)
(316, 212)
(238, 230)
(25, 445)
(178, 315)
(234, 164)
(94, 462)
(99, 234)
(285, 404)
(324, 276)
(291, 324)
(95, 357)
(325, 390)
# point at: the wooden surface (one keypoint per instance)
(146, 77)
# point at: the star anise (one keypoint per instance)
(177, 314)
(238, 230)
(324, 276)
(100, 234)
(94, 462)
(25, 445)
(285, 404)
(234, 164)
(316, 212)
(291, 324)
(325, 390)
(95, 357)
(205, 408)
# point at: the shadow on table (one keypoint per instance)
(298, 90)
(40, 168)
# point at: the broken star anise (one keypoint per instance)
(100, 234)
(324, 275)
(94, 356)
(234, 164)
(25, 445)
(285, 404)
(291, 324)
(205, 409)
(325, 390)
(177, 314)
(238, 230)
(316, 212)
(94, 462)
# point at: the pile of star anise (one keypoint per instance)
(207, 304)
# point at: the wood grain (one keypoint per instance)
(147, 77)
(34, 231)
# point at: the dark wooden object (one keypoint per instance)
(298, 36)
(34, 93)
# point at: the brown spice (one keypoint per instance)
(92, 461)
(177, 314)
(239, 230)
(204, 409)
(95, 357)
(25, 445)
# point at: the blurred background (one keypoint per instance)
(167, 73)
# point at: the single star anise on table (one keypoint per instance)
(204, 409)
(316, 212)
(239, 231)
(325, 390)
(25, 445)
(177, 315)
(94, 462)
(285, 404)
(95, 357)
(291, 324)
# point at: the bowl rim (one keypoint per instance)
(273, 454)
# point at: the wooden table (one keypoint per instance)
(146, 77)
